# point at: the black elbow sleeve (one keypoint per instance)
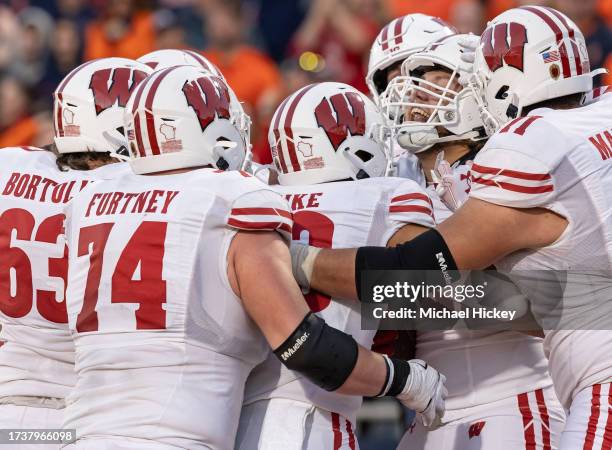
(428, 251)
(324, 355)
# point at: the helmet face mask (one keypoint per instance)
(528, 55)
(426, 105)
(328, 132)
(89, 103)
(185, 117)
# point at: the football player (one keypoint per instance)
(539, 201)
(328, 145)
(36, 352)
(501, 377)
(174, 272)
(396, 41)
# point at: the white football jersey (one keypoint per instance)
(561, 160)
(487, 366)
(484, 366)
(163, 345)
(36, 350)
(339, 215)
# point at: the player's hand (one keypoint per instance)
(469, 44)
(449, 186)
(425, 393)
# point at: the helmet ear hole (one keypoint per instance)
(363, 155)
(502, 93)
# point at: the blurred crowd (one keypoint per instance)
(265, 48)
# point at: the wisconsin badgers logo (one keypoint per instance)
(207, 96)
(109, 90)
(496, 48)
(349, 117)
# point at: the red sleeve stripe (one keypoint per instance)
(514, 187)
(509, 125)
(510, 173)
(413, 196)
(260, 226)
(260, 212)
(410, 208)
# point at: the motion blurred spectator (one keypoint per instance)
(78, 11)
(9, 36)
(596, 31)
(36, 30)
(122, 31)
(605, 9)
(65, 56)
(17, 125)
(468, 16)
(436, 8)
(341, 31)
(169, 33)
(252, 74)
(276, 22)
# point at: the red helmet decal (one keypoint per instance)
(346, 119)
(212, 97)
(496, 48)
(107, 91)
(152, 64)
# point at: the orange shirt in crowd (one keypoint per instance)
(436, 8)
(605, 9)
(22, 132)
(249, 72)
(138, 40)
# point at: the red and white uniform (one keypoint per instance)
(497, 378)
(330, 215)
(561, 160)
(36, 349)
(163, 345)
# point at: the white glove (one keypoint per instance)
(425, 393)
(449, 186)
(302, 262)
(469, 43)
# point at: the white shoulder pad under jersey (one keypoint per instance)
(409, 203)
(257, 206)
(516, 166)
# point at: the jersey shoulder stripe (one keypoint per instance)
(511, 180)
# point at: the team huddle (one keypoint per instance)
(159, 289)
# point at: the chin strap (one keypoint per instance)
(428, 137)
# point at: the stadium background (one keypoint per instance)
(265, 48)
